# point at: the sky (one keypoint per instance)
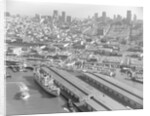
(75, 10)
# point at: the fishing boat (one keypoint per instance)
(46, 81)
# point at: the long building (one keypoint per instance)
(127, 95)
(97, 96)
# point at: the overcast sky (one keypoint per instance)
(75, 10)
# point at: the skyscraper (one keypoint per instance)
(50, 18)
(114, 17)
(119, 18)
(68, 19)
(63, 16)
(129, 16)
(96, 15)
(135, 18)
(7, 14)
(37, 17)
(55, 14)
(104, 16)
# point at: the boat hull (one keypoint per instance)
(55, 92)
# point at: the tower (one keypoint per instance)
(104, 16)
(68, 19)
(55, 14)
(63, 16)
(135, 18)
(96, 16)
(114, 17)
(129, 16)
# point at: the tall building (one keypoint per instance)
(37, 17)
(50, 18)
(129, 16)
(68, 19)
(119, 17)
(104, 16)
(55, 14)
(7, 14)
(114, 17)
(96, 15)
(135, 18)
(63, 16)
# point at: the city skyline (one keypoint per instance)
(74, 10)
(56, 63)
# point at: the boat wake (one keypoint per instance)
(23, 87)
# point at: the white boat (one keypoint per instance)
(46, 82)
(24, 95)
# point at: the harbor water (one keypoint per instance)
(39, 101)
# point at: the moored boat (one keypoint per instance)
(46, 82)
